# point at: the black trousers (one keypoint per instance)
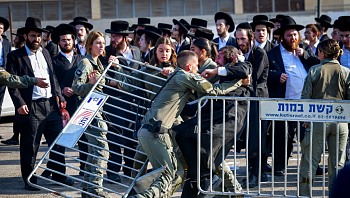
(44, 120)
(2, 94)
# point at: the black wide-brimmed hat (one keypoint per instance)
(49, 28)
(165, 27)
(288, 23)
(203, 33)
(278, 18)
(33, 24)
(5, 22)
(119, 27)
(261, 19)
(244, 25)
(81, 21)
(143, 22)
(63, 29)
(227, 17)
(20, 32)
(344, 24)
(319, 28)
(197, 23)
(325, 20)
(151, 31)
(336, 23)
(181, 24)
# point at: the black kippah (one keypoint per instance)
(244, 25)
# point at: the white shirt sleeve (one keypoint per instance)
(222, 71)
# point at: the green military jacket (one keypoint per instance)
(14, 81)
(81, 85)
(139, 75)
(170, 102)
(327, 80)
(209, 64)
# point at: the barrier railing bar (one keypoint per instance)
(286, 133)
(125, 92)
(116, 116)
(116, 107)
(199, 140)
(223, 149)
(324, 159)
(273, 159)
(138, 79)
(137, 70)
(117, 125)
(247, 147)
(127, 102)
(259, 173)
(310, 157)
(298, 156)
(130, 85)
(211, 143)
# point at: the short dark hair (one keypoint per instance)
(210, 48)
(184, 57)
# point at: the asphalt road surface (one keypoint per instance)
(11, 183)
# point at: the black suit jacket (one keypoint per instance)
(230, 42)
(276, 88)
(148, 57)
(65, 72)
(185, 46)
(324, 37)
(18, 63)
(52, 48)
(78, 50)
(269, 46)
(260, 63)
(6, 46)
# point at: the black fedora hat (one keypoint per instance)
(227, 17)
(288, 23)
(5, 22)
(33, 24)
(81, 21)
(166, 28)
(20, 32)
(63, 29)
(318, 27)
(181, 24)
(49, 28)
(203, 33)
(324, 20)
(278, 18)
(197, 23)
(119, 27)
(151, 31)
(143, 22)
(344, 24)
(261, 19)
(336, 23)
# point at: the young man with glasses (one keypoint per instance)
(344, 27)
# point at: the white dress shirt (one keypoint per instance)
(314, 48)
(296, 74)
(68, 56)
(262, 45)
(345, 58)
(223, 42)
(127, 54)
(82, 49)
(41, 70)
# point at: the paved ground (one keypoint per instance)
(12, 186)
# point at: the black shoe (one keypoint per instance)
(81, 173)
(10, 142)
(279, 172)
(253, 181)
(267, 168)
(66, 181)
(46, 174)
(264, 177)
(205, 184)
(31, 188)
(319, 171)
(115, 178)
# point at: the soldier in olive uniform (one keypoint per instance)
(13, 81)
(167, 106)
(88, 71)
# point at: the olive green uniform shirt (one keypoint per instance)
(14, 81)
(81, 85)
(170, 102)
(209, 64)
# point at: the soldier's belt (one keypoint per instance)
(160, 130)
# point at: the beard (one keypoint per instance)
(66, 49)
(244, 51)
(117, 50)
(81, 38)
(290, 46)
(33, 46)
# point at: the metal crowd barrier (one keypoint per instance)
(301, 111)
(82, 118)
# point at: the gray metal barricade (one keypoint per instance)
(273, 110)
(82, 118)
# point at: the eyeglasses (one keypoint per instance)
(346, 36)
(35, 35)
(174, 29)
(336, 32)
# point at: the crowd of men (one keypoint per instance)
(269, 52)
